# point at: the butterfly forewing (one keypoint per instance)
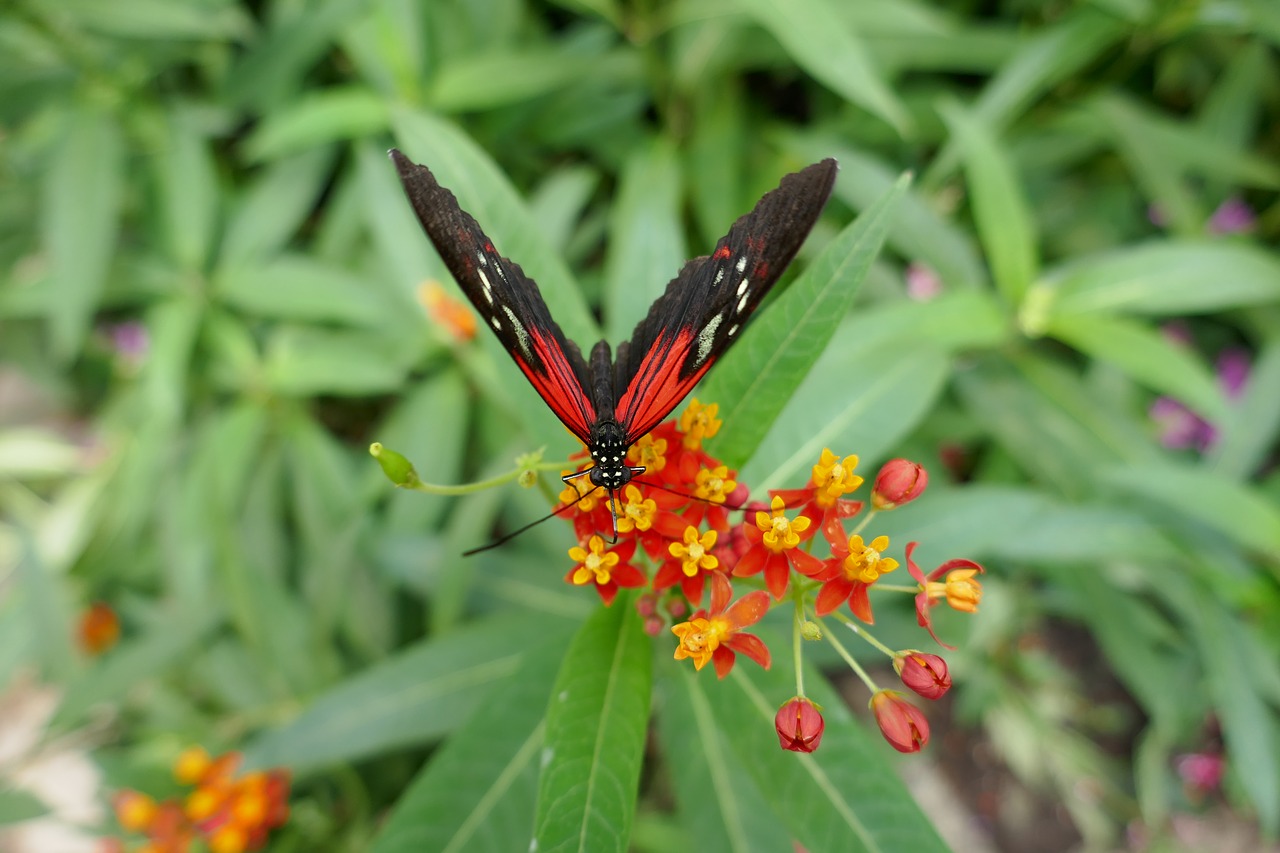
(505, 297)
(704, 308)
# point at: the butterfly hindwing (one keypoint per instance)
(704, 308)
(507, 299)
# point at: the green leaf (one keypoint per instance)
(1229, 507)
(487, 81)
(275, 207)
(1006, 224)
(304, 361)
(756, 378)
(478, 792)
(1031, 403)
(82, 197)
(1249, 726)
(1250, 429)
(17, 806)
(295, 287)
(169, 640)
(1166, 278)
(596, 728)
(418, 695)
(918, 231)
(1146, 356)
(645, 238)
(329, 115)
(160, 19)
(845, 796)
(857, 399)
(817, 40)
(1053, 54)
(272, 69)
(716, 800)
(189, 201)
(714, 159)
(482, 191)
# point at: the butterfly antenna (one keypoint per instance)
(686, 495)
(502, 540)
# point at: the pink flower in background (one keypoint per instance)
(1201, 772)
(923, 282)
(131, 343)
(1179, 427)
(1233, 216)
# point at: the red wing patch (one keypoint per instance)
(558, 385)
(658, 387)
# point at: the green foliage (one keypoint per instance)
(209, 311)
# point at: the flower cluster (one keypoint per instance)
(676, 538)
(224, 813)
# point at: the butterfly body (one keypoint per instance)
(610, 401)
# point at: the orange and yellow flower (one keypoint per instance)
(607, 568)
(717, 636)
(775, 548)
(853, 567)
(962, 589)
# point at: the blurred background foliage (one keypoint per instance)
(211, 306)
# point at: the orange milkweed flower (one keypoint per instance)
(451, 314)
(774, 550)
(99, 628)
(608, 569)
(822, 498)
(689, 562)
(853, 567)
(717, 635)
(962, 590)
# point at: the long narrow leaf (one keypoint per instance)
(596, 729)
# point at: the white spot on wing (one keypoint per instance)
(488, 288)
(484, 261)
(521, 334)
(497, 327)
(733, 330)
(742, 288)
(742, 263)
(719, 277)
(742, 303)
(707, 337)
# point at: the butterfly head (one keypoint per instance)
(608, 447)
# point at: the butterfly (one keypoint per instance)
(609, 403)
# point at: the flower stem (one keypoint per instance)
(864, 633)
(796, 639)
(849, 659)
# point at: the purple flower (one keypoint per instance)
(1233, 216)
(131, 342)
(1179, 427)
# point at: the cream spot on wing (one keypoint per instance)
(488, 288)
(742, 288)
(707, 337)
(521, 334)
(742, 263)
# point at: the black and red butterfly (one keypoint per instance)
(610, 403)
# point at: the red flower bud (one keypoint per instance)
(653, 625)
(925, 674)
(901, 723)
(899, 481)
(799, 725)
